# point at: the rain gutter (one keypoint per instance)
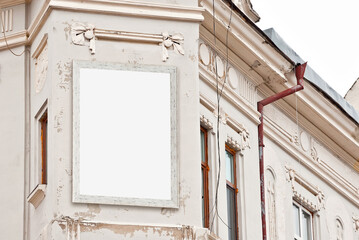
(299, 73)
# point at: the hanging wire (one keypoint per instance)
(6, 43)
(219, 93)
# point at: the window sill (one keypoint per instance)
(37, 195)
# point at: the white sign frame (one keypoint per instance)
(78, 196)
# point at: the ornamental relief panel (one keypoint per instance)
(219, 68)
(41, 66)
(308, 195)
(271, 204)
(6, 21)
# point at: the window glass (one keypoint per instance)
(229, 167)
(203, 203)
(231, 212)
(302, 223)
(203, 147)
(296, 220)
(306, 226)
(204, 182)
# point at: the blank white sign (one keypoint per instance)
(125, 137)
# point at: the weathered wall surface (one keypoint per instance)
(58, 92)
(12, 115)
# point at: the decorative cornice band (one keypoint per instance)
(125, 8)
(131, 8)
(337, 183)
(10, 3)
(237, 101)
(13, 40)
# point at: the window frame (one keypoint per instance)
(43, 132)
(311, 231)
(205, 181)
(234, 187)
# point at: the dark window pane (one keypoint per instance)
(203, 214)
(231, 212)
(306, 226)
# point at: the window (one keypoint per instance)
(231, 194)
(204, 170)
(43, 147)
(302, 220)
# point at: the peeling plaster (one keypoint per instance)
(185, 193)
(92, 211)
(65, 75)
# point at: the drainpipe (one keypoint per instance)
(299, 73)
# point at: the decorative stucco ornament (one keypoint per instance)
(356, 223)
(82, 33)
(41, 66)
(175, 40)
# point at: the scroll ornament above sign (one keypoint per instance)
(81, 33)
(86, 34)
(175, 40)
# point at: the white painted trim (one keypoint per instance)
(133, 8)
(40, 46)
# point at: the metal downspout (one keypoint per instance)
(299, 73)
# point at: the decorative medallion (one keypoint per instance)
(304, 141)
(219, 66)
(232, 78)
(204, 54)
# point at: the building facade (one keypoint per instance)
(138, 120)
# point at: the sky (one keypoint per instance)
(323, 32)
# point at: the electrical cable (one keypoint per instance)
(219, 94)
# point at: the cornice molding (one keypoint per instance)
(316, 124)
(274, 75)
(125, 8)
(13, 40)
(232, 97)
(10, 3)
(246, 42)
(333, 179)
(132, 8)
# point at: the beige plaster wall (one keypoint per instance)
(58, 91)
(12, 115)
